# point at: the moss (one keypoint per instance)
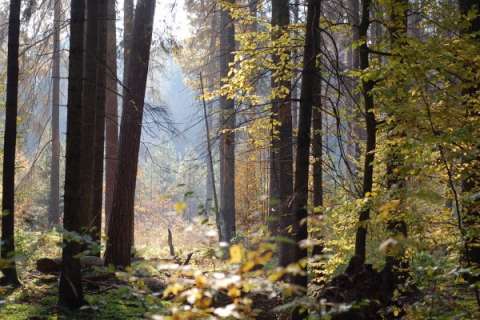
(120, 303)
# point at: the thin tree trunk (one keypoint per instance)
(99, 151)
(88, 116)
(308, 100)
(9, 148)
(317, 146)
(357, 133)
(53, 209)
(227, 137)
(211, 174)
(111, 112)
(120, 237)
(211, 193)
(281, 155)
(371, 125)
(70, 287)
(295, 83)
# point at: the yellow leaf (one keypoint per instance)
(180, 207)
(234, 292)
(236, 253)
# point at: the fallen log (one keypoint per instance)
(53, 266)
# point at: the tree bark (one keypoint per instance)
(371, 126)
(128, 19)
(120, 237)
(317, 146)
(227, 137)
(210, 169)
(99, 151)
(53, 209)
(70, 287)
(308, 99)
(470, 184)
(281, 156)
(111, 112)
(9, 147)
(395, 262)
(87, 145)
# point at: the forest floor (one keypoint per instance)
(139, 291)
(108, 298)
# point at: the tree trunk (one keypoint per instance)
(8, 179)
(470, 186)
(111, 112)
(70, 287)
(357, 133)
(120, 237)
(87, 145)
(308, 99)
(281, 157)
(128, 20)
(53, 208)
(211, 193)
(227, 137)
(210, 170)
(395, 182)
(317, 146)
(97, 199)
(371, 125)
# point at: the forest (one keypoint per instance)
(240, 159)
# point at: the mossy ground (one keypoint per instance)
(37, 300)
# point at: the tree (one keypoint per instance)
(470, 185)
(395, 181)
(9, 147)
(70, 288)
(120, 237)
(227, 136)
(281, 158)
(99, 132)
(308, 99)
(317, 142)
(111, 112)
(87, 145)
(54, 210)
(371, 127)
(128, 20)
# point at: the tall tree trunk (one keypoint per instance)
(210, 170)
(99, 151)
(111, 112)
(295, 82)
(308, 99)
(395, 262)
(356, 131)
(211, 193)
(317, 146)
(371, 125)
(53, 208)
(70, 287)
(470, 184)
(87, 145)
(227, 138)
(9, 147)
(128, 20)
(281, 156)
(120, 237)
